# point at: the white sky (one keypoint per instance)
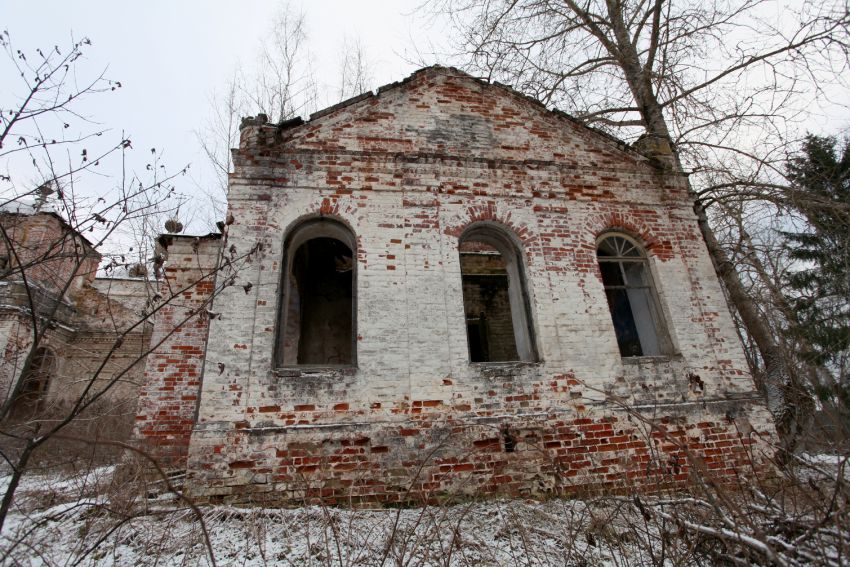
(171, 55)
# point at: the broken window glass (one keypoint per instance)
(631, 297)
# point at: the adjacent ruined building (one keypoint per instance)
(58, 321)
(444, 288)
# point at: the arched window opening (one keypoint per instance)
(318, 302)
(632, 301)
(35, 382)
(495, 301)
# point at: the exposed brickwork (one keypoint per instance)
(54, 257)
(169, 396)
(439, 454)
(408, 171)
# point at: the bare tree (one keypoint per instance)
(284, 85)
(281, 86)
(60, 147)
(355, 69)
(718, 83)
(57, 221)
(219, 134)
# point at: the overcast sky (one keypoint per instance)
(170, 56)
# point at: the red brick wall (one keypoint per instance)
(168, 398)
(57, 263)
(51, 253)
(439, 454)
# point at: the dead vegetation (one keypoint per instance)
(88, 516)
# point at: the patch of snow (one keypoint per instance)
(822, 459)
(82, 519)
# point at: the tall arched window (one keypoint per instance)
(317, 309)
(35, 382)
(637, 318)
(495, 299)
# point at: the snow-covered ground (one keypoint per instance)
(88, 518)
(82, 520)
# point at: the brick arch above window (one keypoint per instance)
(648, 232)
(488, 214)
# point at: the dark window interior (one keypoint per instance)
(320, 304)
(486, 302)
(624, 322)
(478, 351)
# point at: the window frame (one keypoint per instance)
(301, 233)
(655, 307)
(504, 241)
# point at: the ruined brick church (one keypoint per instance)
(445, 288)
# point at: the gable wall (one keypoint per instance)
(447, 114)
(392, 169)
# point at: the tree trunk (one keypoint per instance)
(17, 473)
(776, 384)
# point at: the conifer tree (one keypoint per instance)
(819, 291)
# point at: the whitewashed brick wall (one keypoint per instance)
(408, 170)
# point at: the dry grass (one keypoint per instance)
(91, 518)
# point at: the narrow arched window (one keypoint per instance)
(35, 382)
(317, 309)
(632, 300)
(495, 299)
